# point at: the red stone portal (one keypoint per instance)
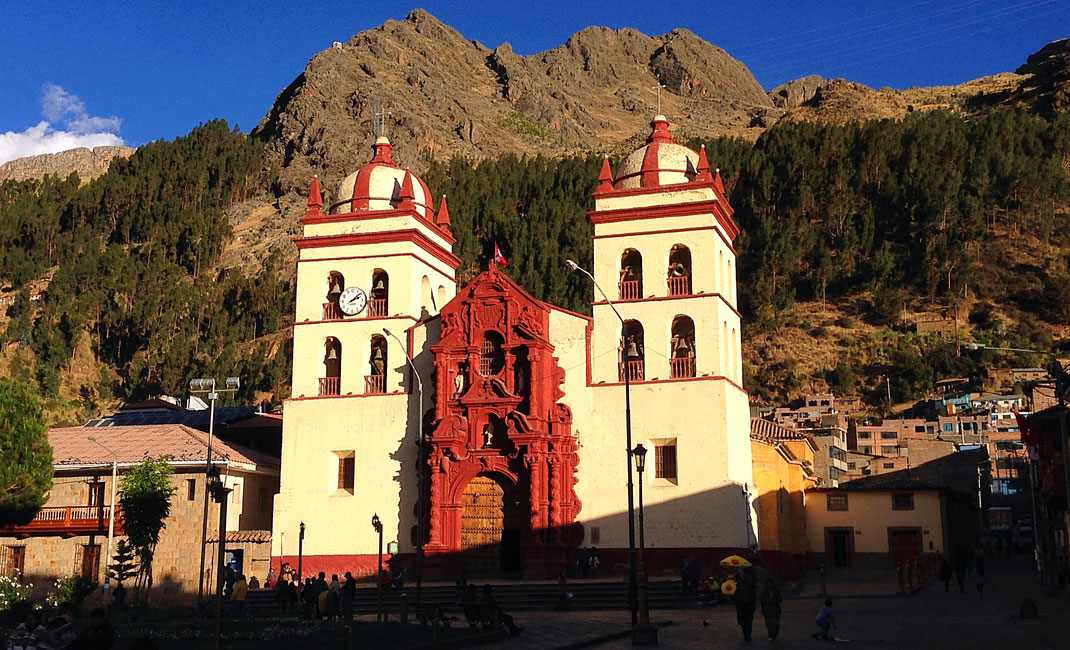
(497, 417)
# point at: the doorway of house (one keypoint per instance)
(491, 531)
(905, 544)
(839, 546)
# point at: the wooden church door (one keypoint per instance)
(482, 520)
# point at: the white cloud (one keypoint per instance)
(67, 125)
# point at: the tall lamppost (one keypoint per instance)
(378, 526)
(1062, 388)
(632, 578)
(644, 633)
(220, 494)
(300, 551)
(208, 386)
(111, 516)
(419, 466)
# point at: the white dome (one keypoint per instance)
(378, 186)
(660, 162)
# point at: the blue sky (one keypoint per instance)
(102, 72)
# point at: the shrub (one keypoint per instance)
(12, 591)
(70, 592)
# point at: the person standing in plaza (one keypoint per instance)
(746, 599)
(237, 597)
(945, 575)
(770, 599)
(349, 592)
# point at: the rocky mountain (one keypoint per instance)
(447, 95)
(88, 163)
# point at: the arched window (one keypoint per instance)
(376, 381)
(492, 355)
(631, 275)
(522, 378)
(378, 305)
(336, 284)
(330, 382)
(726, 347)
(721, 272)
(427, 301)
(680, 271)
(734, 371)
(682, 347)
(633, 352)
(441, 297)
(730, 283)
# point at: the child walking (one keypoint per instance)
(824, 621)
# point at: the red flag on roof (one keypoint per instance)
(1030, 434)
(498, 257)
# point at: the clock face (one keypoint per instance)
(352, 301)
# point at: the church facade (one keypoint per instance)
(520, 404)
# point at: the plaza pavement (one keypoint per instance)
(870, 613)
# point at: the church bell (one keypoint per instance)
(682, 348)
(379, 286)
(633, 350)
(335, 287)
(678, 270)
(332, 354)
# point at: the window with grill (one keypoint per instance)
(889, 466)
(14, 560)
(665, 461)
(903, 501)
(836, 502)
(346, 473)
(863, 435)
(491, 355)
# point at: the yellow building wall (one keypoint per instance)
(780, 500)
(870, 514)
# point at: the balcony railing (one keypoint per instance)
(331, 311)
(330, 386)
(633, 368)
(680, 286)
(684, 367)
(374, 384)
(629, 290)
(377, 308)
(72, 520)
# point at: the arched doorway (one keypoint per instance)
(492, 525)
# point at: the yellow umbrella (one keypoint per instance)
(728, 587)
(734, 560)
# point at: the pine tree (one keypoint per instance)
(25, 455)
(124, 567)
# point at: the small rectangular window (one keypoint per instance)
(888, 435)
(866, 450)
(191, 489)
(889, 450)
(96, 494)
(665, 461)
(903, 501)
(346, 473)
(596, 535)
(836, 502)
(863, 435)
(889, 466)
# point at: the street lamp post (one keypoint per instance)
(300, 551)
(644, 633)
(111, 516)
(208, 386)
(220, 494)
(419, 466)
(632, 577)
(378, 526)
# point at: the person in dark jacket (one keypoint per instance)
(770, 599)
(349, 592)
(945, 575)
(746, 598)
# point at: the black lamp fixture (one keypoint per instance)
(639, 453)
(376, 523)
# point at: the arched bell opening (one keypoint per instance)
(679, 273)
(330, 382)
(633, 352)
(375, 382)
(631, 275)
(336, 284)
(682, 347)
(378, 303)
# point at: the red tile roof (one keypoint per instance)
(133, 444)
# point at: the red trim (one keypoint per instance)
(672, 230)
(368, 215)
(650, 171)
(366, 257)
(640, 191)
(717, 207)
(412, 235)
(667, 380)
(346, 396)
(652, 298)
(361, 566)
(357, 319)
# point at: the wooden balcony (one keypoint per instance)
(684, 367)
(680, 286)
(374, 384)
(68, 521)
(377, 308)
(629, 290)
(331, 311)
(633, 368)
(330, 386)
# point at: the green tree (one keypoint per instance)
(124, 567)
(146, 503)
(25, 455)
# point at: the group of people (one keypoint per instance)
(587, 563)
(962, 566)
(746, 599)
(63, 632)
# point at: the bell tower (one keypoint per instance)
(663, 252)
(372, 265)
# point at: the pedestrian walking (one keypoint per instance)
(825, 621)
(945, 574)
(770, 599)
(746, 599)
(979, 581)
(237, 597)
(960, 573)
